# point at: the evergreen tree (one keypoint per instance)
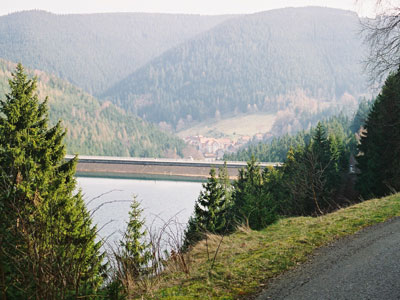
(47, 242)
(212, 209)
(252, 201)
(135, 251)
(313, 174)
(379, 149)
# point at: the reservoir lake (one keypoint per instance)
(109, 199)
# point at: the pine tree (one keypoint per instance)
(212, 209)
(379, 149)
(253, 202)
(47, 242)
(313, 174)
(135, 251)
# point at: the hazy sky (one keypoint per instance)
(362, 7)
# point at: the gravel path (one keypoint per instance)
(363, 266)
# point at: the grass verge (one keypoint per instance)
(247, 258)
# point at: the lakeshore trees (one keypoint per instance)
(47, 241)
(310, 182)
(212, 208)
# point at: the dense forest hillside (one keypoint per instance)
(305, 60)
(96, 128)
(94, 51)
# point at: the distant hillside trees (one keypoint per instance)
(361, 115)
(47, 241)
(379, 157)
(302, 62)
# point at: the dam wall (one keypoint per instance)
(154, 168)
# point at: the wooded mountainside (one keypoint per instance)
(94, 51)
(95, 128)
(267, 61)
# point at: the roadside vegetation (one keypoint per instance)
(248, 258)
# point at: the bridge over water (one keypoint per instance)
(155, 168)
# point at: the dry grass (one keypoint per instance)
(247, 259)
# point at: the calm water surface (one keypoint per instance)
(161, 200)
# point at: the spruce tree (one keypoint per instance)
(212, 209)
(379, 149)
(313, 174)
(135, 251)
(47, 242)
(252, 200)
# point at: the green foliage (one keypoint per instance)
(211, 209)
(250, 63)
(253, 202)
(310, 182)
(135, 251)
(379, 156)
(312, 175)
(47, 245)
(132, 263)
(211, 205)
(94, 128)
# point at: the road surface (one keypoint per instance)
(363, 266)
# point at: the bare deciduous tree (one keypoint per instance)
(382, 35)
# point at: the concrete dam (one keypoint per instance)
(154, 168)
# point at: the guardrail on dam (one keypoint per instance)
(156, 168)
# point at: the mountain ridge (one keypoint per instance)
(94, 50)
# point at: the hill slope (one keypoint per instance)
(261, 62)
(95, 128)
(96, 50)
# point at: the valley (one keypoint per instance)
(141, 87)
